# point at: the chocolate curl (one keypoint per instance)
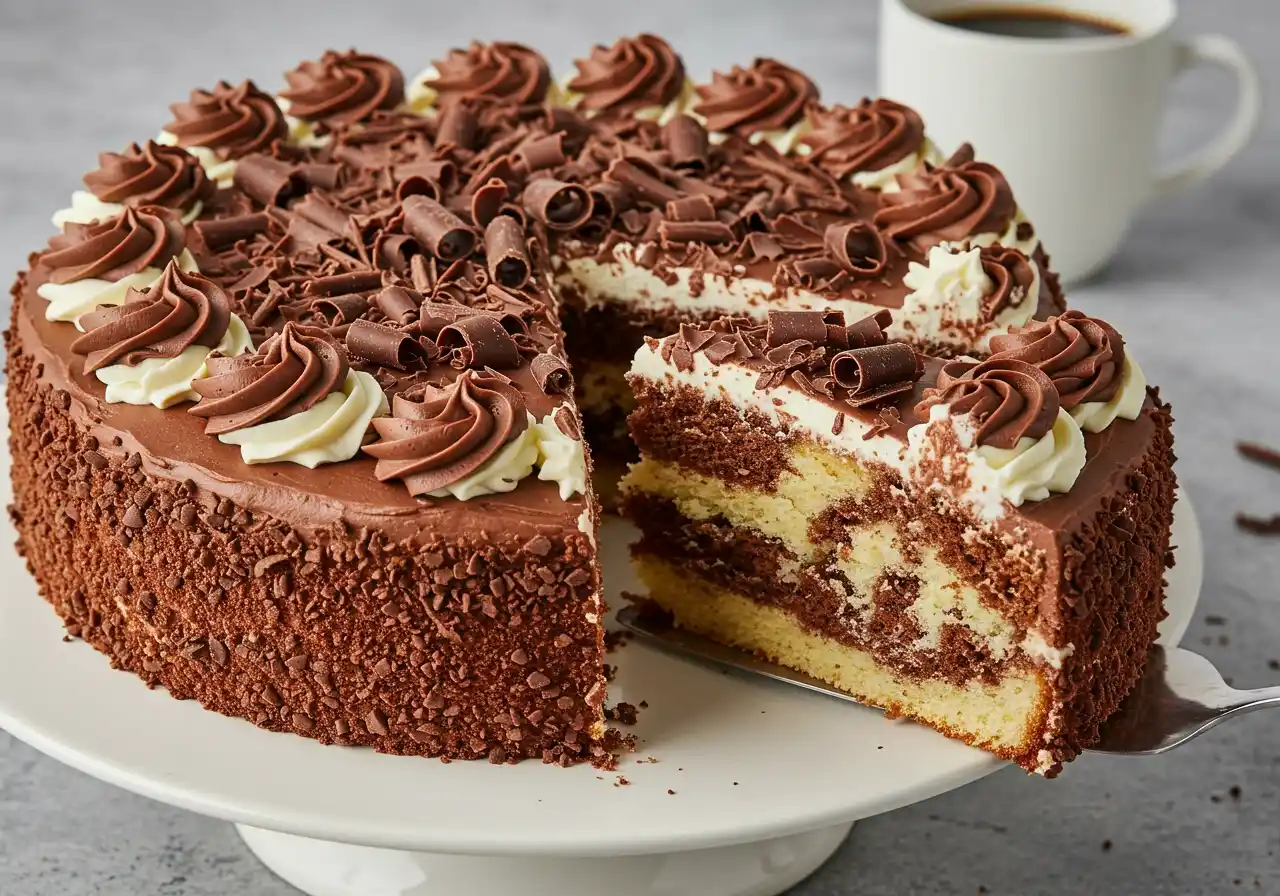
(567, 422)
(398, 304)
(435, 316)
(481, 341)
(417, 185)
(608, 200)
(440, 172)
(857, 247)
(558, 205)
(687, 142)
(320, 211)
(788, 326)
(640, 183)
(757, 246)
(338, 284)
(870, 330)
(457, 125)
(383, 345)
(875, 372)
(223, 233)
(505, 252)
(551, 374)
(691, 208)
(708, 232)
(438, 230)
(269, 181)
(341, 309)
(324, 175)
(542, 153)
(487, 202)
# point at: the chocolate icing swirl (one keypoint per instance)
(340, 88)
(768, 96)
(1013, 274)
(150, 175)
(501, 71)
(954, 201)
(635, 73)
(1005, 398)
(290, 373)
(1083, 356)
(867, 137)
(114, 248)
(181, 310)
(232, 121)
(444, 433)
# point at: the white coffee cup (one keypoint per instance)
(1071, 121)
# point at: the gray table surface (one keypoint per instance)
(1196, 290)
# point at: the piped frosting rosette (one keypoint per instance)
(153, 174)
(641, 77)
(222, 125)
(96, 264)
(500, 72)
(295, 400)
(997, 426)
(763, 102)
(338, 89)
(150, 349)
(869, 144)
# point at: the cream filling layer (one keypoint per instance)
(86, 208)
(164, 382)
(68, 302)
(329, 432)
(623, 281)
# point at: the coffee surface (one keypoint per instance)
(1035, 22)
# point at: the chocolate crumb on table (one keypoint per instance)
(1259, 453)
(1257, 525)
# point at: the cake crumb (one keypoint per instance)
(622, 781)
(1273, 664)
(1214, 619)
(1256, 525)
(670, 792)
(624, 714)
(616, 640)
(1106, 846)
(1259, 453)
(1234, 792)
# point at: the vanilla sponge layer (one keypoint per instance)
(1005, 717)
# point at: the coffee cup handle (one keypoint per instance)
(1215, 49)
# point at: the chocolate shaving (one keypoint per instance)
(542, 152)
(687, 142)
(343, 308)
(337, 284)
(479, 341)
(487, 202)
(788, 326)
(858, 247)
(608, 200)
(691, 208)
(440, 172)
(870, 330)
(398, 304)
(551, 374)
(321, 175)
(1257, 525)
(875, 372)
(435, 316)
(567, 422)
(438, 230)
(269, 180)
(640, 183)
(558, 205)
(383, 345)
(320, 211)
(757, 246)
(707, 232)
(457, 126)
(417, 185)
(1259, 454)
(223, 233)
(505, 252)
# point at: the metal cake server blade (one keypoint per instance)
(1180, 696)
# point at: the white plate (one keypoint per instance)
(748, 759)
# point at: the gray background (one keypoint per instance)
(1195, 290)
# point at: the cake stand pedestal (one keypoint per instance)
(738, 787)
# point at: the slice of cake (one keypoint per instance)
(976, 546)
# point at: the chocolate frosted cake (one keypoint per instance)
(301, 392)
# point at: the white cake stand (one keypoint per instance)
(740, 787)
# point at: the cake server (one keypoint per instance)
(1180, 696)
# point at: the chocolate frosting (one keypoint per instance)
(232, 121)
(151, 175)
(501, 71)
(1013, 275)
(1082, 355)
(867, 137)
(953, 201)
(768, 96)
(179, 311)
(114, 248)
(441, 434)
(290, 373)
(340, 88)
(635, 73)
(1005, 398)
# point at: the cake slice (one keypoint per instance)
(976, 546)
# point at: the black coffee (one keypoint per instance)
(1030, 21)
